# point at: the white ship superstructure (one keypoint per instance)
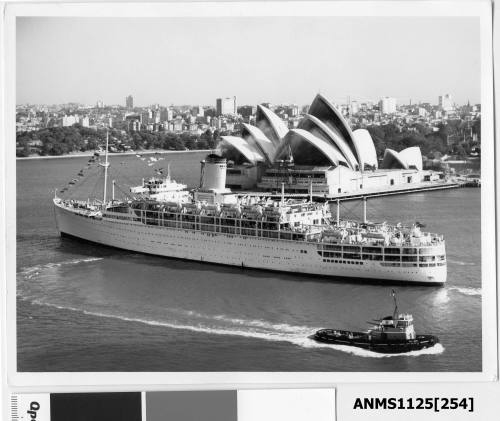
(162, 189)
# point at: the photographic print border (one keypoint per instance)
(86, 381)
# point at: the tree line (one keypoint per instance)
(65, 140)
(451, 138)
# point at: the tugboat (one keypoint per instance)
(391, 335)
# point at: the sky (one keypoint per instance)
(257, 59)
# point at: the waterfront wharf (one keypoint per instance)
(357, 195)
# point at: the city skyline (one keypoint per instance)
(348, 102)
(277, 60)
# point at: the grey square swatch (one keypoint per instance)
(213, 405)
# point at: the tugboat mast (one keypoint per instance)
(395, 314)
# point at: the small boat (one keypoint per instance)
(391, 335)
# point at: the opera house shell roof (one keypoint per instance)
(323, 138)
(406, 159)
(307, 149)
(270, 124)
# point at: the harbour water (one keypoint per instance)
(84, 307)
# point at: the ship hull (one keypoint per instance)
(234, 250)
(361, 340)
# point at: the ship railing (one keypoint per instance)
(206, 223)
(239, 226)
(435, 236)
(78, 205)
(380, 227)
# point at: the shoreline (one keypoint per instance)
(110, 154)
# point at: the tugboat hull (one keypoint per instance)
(362, 340)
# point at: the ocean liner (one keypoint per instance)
(212, 224)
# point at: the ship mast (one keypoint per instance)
(105, 165)
(310, 190)
(364, 209)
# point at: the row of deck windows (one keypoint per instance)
(387, 258)
(422, 265)
(346, 262)
(379, 250)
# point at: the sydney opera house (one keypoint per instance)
(322, 153)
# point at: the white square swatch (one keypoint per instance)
(286, 405)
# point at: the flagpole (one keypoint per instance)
(106, 165)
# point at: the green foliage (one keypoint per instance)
(64, 140)
(390, 137)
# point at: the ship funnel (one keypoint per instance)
(213, 173)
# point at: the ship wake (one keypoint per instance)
(34, 287)
(467, 291)
(461, 263)
(360, 352)
(254, 329)
(32, 271)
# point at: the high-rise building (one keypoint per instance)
(366, 106)
(129, 102)
(387, 105)
(216, 123)
(354, 108)
(247, 110)
(99, 104)
(177, 125)
(292, 110)
(84, 121)
(166, 114)
(156, 116)
(226, 106)
(144, 117)
(69, 120)
(198, 111)
(445, 102)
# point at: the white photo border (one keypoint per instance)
(88, 381)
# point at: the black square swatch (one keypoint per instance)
(95, 406)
